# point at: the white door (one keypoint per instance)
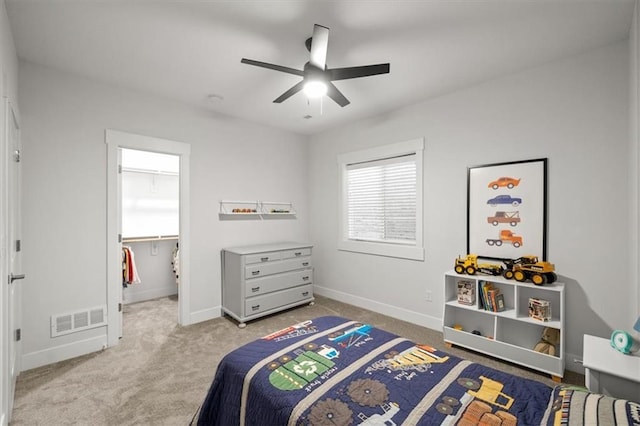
(14, 247)
(119, 227)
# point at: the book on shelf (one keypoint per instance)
(499, 302)
(490, 294)
(466, 292)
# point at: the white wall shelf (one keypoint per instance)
(511, 334)
(255, 210)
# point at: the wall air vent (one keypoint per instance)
(77, 321)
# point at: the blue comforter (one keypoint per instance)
(335, 371)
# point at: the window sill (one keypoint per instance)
(383, 249)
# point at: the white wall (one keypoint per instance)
(634, 163)
(64, 120)
(575, 112)
(8, 57)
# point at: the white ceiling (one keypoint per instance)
(190, 49)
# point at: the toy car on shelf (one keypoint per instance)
(469, 265)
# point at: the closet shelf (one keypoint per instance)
(143, 239)
(230, 210)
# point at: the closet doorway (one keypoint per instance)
(150, 224)
(148, 212)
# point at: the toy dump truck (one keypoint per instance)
(530, 268)
(512, 218)
(469, 265)
(506, 236)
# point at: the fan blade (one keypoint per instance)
(355, 72)
(336, 95)
(319, 43)
(272, 67)
(286, 95)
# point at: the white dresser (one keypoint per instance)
(262, 279)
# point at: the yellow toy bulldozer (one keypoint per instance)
(530, 268)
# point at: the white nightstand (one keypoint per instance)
(610, 372)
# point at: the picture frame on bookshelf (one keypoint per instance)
(507, 209)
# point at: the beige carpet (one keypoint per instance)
(160, 372)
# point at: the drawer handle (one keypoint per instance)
(255, 307)
(305, 278)
(298, 253)
(305, 263)
(264, 259)
(255, 272)
(254, 289)
(305, 293)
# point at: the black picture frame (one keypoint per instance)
(507, 209)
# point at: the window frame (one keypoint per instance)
(404, 251)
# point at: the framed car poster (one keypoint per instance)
(507, 209)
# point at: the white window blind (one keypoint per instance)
(381, 200)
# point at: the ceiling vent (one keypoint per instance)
(77, 321)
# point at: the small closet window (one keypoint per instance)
(150, 194)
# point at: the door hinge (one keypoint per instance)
(119, 307)
(120, 168)
(18, 334)
(16, 155)
(119, 238)
(18, 245)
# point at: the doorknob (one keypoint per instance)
(12, 277)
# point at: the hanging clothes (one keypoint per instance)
(176, 262)
(129, 270)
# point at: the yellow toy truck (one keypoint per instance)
(469, 265)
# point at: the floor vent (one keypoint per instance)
(78, 321)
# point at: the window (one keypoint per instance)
(382, 200)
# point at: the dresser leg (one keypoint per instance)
(242, 325)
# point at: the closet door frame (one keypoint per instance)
(115, 140)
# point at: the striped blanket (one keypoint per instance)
(335, 371)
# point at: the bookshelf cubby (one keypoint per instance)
(510, 334)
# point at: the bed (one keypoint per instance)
(336, 371)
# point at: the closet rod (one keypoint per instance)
(151, 172)
(142, 239)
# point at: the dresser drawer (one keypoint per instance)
(270, 268)
(296, 253)
(257, 286)
(263, 257)
(265, 302)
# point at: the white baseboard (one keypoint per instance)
(134, 296)
(382, 308)
(63, 352)
(204, 315)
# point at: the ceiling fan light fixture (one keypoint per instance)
(315, 89)
(317, 79)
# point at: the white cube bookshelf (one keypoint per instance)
(511, 334)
